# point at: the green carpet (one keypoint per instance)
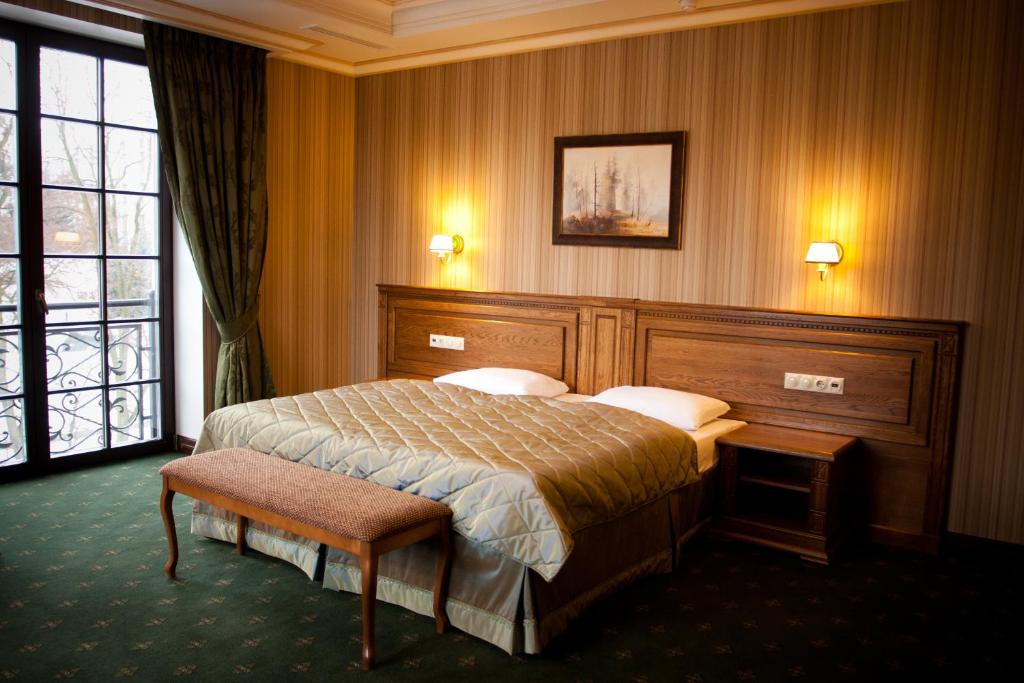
(83, 597)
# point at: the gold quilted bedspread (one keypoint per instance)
(521, 474)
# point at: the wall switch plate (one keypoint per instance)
(441, 341)
(816, 383)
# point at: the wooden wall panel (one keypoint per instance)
(506, 331)
(895, 129)
(743, 369)
(306, 294)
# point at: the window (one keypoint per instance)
(12, 384)
(84, 253)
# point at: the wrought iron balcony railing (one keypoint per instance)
(82, 401)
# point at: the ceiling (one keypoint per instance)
(359, 37)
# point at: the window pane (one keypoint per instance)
(8, 95)
(76, 422)
(12, 433)
(73, 357)
(8, 148)
(131, 289)
(132, 353)
(9, 284)
(72, 289)
(134, 414)
(70, 153)
(68, 84)
(127, 95)
(131, 158)
(71, 222)
(132, 224)
(10, 366)
(8, 220)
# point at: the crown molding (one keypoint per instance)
(296, 48)
(412, 20)
(337, 66)
(375, 15)
(664, 23)
(203, 21)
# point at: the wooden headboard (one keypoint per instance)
(900, 375)
(585, 342)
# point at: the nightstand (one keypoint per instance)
(786, 489)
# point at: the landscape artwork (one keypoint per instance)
(619, 190)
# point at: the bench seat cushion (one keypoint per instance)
(342, 505)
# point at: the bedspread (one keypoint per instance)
(521, 474)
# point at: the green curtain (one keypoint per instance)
(211, 109)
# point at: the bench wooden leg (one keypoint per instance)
(368, 571)
(243, 524)
(167, 512)
(444, 566)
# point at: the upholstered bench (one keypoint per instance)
(355, 515)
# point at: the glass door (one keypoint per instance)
(95, 226)
(12, 385)
(101, 217)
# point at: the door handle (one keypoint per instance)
(41, 300)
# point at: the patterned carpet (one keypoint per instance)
(83, 597)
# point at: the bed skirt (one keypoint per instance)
(492, 596)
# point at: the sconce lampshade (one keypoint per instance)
(444, 246)
(824, 252)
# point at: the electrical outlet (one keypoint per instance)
(441, 341)
(815, 383)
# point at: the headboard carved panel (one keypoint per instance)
(900, 375)
(887, 378)
(543, 339)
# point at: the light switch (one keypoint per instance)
(441, 341)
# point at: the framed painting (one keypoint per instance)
(619, 190)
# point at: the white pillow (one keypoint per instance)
(506, 381)
(677, 408)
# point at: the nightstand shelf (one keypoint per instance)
(779, 483)
(785, 489)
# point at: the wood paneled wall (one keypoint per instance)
(306, 295)
(895, 129)
(900, 373)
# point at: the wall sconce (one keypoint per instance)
(446, 246)
(825, 254)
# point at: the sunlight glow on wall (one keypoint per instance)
(836, 215)
(456, 218)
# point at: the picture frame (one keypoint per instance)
(622, 190)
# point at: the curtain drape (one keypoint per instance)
(210, 97)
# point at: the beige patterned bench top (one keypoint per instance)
(354, 508)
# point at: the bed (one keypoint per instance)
(539, 487)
